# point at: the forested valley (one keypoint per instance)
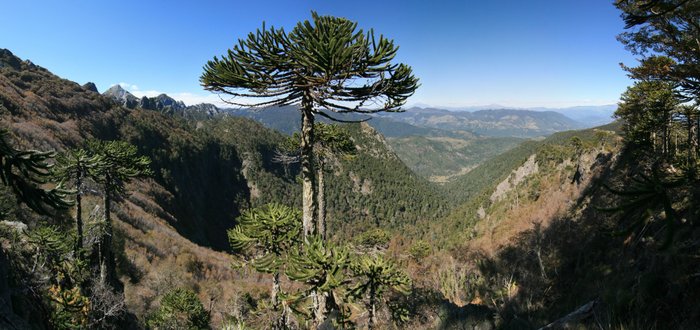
(310, 208)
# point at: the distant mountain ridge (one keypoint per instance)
(497, 122)
(162, 103)
(590, 115)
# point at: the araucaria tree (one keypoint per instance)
(119, 163)
(75, 166)
(25, 171)
(324, 66)
(375, 275)
(268, 233)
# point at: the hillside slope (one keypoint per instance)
(168, 228)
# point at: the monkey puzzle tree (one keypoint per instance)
(118, 164)
(76, 165)
(25, 171)
(321, 265)
(375, 275)
(325, 65)
(268, 233)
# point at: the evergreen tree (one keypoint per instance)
(666, 34)
(647, 108)
(269, 231)
(321, 265)
(25, 171)
(76, 165)
(375, 275)
(180, 309)
(324, 65)
(118, 164)
(669, 28)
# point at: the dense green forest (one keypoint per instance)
(148, 214)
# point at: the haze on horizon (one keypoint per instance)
(518, 54)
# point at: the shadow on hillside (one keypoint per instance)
(550, 272)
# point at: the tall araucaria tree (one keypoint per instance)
(119, 163)
(75, 166)
(325, 66)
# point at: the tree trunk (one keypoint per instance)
(321, 200)
(79, 215)
(319, 302)
(107, 263)
(281, 321)
(307, 171)
(372, 307)
(665, 138)
(275, 290)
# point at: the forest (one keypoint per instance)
(147, 215)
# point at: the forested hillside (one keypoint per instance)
(321, 204)
(205, 172)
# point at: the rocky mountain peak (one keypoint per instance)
(90, 86)
(122, 96)
(7, 59)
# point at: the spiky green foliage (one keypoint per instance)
(75, 166)
(374, 276)
(327, 60)
(647, 108)
(644, 197)
(180, 309)
(268, 231)
(321, 265)
(327, 64)
(119, 163)
(25, 171)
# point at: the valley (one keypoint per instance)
(316, 186)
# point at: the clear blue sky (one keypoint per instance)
(512, 52)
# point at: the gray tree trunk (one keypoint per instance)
(307, 171)
(108, 272)
(321, 200)
(275, 290)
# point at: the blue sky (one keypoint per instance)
(551, 53)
